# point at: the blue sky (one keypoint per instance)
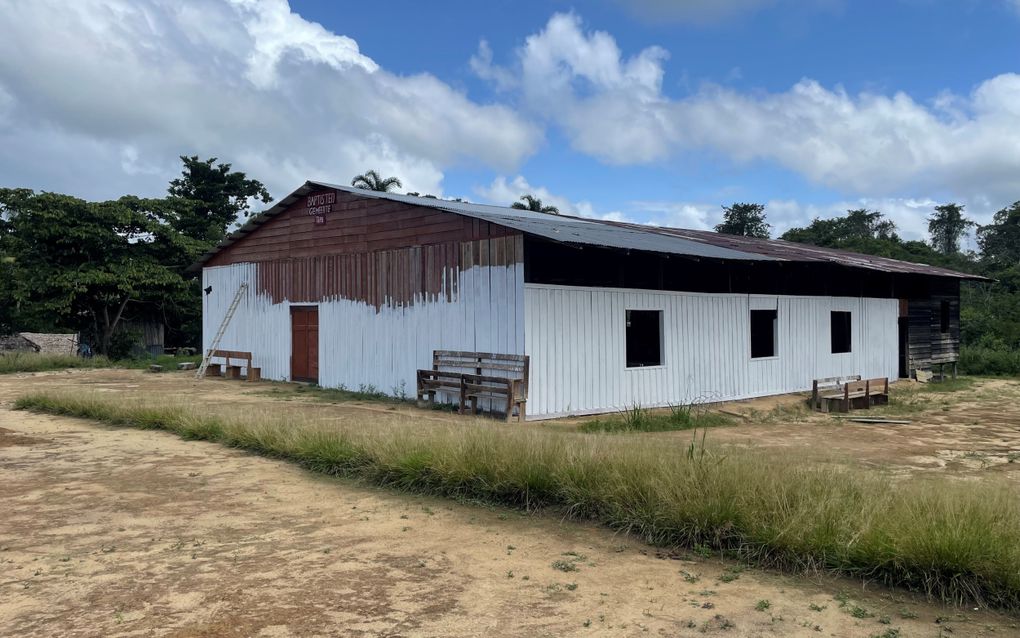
(652, 110)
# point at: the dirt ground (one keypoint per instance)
(120, 532)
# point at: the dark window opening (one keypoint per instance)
(764, 329)
(840, 332)
(944, 317)
(644, 338)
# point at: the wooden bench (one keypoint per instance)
(473, 376)
(828, 386)
(232, 371)
(843, 395)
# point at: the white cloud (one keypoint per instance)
(612, 107)
(98, 97)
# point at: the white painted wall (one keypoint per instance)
(360, 345)
(576, 339)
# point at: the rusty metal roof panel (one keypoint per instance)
(792, 251)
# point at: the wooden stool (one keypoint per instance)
(254, 374)
(214, 370)
(233, 372)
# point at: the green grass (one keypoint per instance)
(36, 362)
(334, 395)
(638, 419)
(169, 362)
(955, 540)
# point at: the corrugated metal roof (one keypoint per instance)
(792, 251)
(596, 232)
(564, 228)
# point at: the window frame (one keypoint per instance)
(945, 317)
(775, 333)
(660, 314)
(849, 331)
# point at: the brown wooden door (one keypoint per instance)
(304, 339)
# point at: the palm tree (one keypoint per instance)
(373, 182)
(529, 202)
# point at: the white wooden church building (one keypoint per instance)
(355, 288)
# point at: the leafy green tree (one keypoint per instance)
(371, 180)
(219, 196)
(1000, 240)
(947, 226)
(746, 220)
(859, 227)
(80, 264)
(534, 204)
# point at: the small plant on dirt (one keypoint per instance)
(689, 577)
(570, 586)
(564, 565)
(892, 632)
(817, 607)
(908, 614)
(860, 612)
(762, 605)
(638, 419)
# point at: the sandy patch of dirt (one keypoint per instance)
(117, 532)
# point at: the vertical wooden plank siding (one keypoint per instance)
(576, 339)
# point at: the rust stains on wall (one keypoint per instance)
(349, 224)
(394, 278)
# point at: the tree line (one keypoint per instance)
(93, 266)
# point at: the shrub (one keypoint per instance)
(981, 360)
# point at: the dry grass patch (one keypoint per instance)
(953, 540)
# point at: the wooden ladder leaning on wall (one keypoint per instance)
(222, 329)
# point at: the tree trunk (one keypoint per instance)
(110, 326)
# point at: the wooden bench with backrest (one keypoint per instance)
(232, 371)
(843, 395)
(828, 387)
(474, 376)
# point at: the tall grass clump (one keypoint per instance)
(956, 541)
(686, 416)
(41, 362)
(981, 360)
